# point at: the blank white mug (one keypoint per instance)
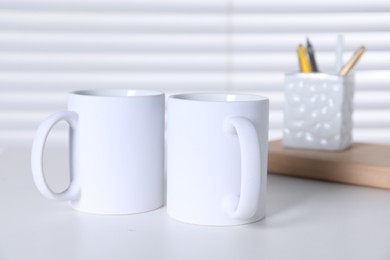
(116, 151)
(217, 147)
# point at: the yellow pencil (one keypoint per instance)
(304, 61)
(352, 61)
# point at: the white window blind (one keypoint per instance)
(48, 48)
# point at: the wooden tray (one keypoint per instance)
(362, 164)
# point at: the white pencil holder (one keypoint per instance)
(318, 111)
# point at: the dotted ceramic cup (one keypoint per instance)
(318, 111)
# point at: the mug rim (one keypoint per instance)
(216, 97)
(117, 93)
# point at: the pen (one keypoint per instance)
(304, 62)
(352, 61)
(339, 52)
(310, 52)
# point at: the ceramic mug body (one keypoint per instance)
(116, 151)
(217, 158)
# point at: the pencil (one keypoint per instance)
(304, 62)
(352, 61)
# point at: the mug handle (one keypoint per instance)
(244, 205)
(72, 191)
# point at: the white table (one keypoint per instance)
(305, 220)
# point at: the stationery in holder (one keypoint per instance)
(318, 106)
(318, 111)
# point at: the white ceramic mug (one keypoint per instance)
(116, 151)
(217, 147)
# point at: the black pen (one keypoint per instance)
(310, 52)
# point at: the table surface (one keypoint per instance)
(306, 219)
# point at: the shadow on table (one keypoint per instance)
(289, 199)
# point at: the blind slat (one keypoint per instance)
(246, 6)
(25, 41)
(365, 80)
(372, 135)
(16, 137)
(115, 22)
(194, 23)
(319, 6)
(170, 62)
